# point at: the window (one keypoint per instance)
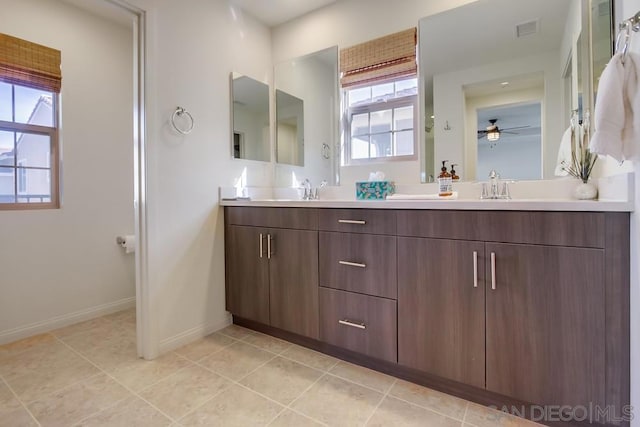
(29, 86)
(380, 121)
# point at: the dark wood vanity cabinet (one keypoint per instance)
(509, 307)
(441, 297)
(545, 324)
(272, 273)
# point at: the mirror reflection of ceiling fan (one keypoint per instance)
(492, 132)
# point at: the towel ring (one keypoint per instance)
(178, 113)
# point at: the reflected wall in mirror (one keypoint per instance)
(473, 58)
(312, 81)
(250, 119)
(289, 129)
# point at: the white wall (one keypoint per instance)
(630, 8)
(59, 264)
(191, 51)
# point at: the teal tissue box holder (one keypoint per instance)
(374, 190)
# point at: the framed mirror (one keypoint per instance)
(250, 119)
(308, 117)
(289, 129)
(500, 55)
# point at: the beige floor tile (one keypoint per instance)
(291, 419)
(91, 326)
(39, 371)
(235, 407)
(139, 373)
(282, 380)
(434, 400)
(185, 390)
(310, 358)
(237, 360)
(394, 412)
(127, 316)
(235, 331)
(12, 413)
(205, 346)
(74, 403)
(132, 412)
(337, 402)
(111, 348)
(266, 342)
(482, 416)
(363, 376)
(10, 350)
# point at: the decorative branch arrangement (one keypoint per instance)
(582, 160)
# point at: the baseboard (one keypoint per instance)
(193, 334)
(21, 332)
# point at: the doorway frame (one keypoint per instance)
(146, 347)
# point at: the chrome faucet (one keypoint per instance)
(494, 191)
(311, 193)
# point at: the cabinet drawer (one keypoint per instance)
(358, 221)
(585, 229)
(294, 218)
(363, 263)
(360, 323)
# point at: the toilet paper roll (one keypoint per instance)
(128, 242)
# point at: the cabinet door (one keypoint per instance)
(248, 282)
(293, 271)
(441, 308)
(545, 324)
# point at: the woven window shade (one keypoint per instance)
(381, 59)
(29, 64)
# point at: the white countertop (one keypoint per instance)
(460, 204)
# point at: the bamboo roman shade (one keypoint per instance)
(29, 64)
(381, 59)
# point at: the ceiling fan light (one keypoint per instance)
(493, 135)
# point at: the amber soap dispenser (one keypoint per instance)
(445, 183)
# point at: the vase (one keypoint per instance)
(585, 191)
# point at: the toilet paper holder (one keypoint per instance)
(127, 242)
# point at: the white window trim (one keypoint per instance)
(373, 107)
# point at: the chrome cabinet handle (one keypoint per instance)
(493, 271)
(352, 324)
(261, 248)
(475, 269)
(352, 221)
(352, 264)
(269, 240)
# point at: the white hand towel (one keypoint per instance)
(617, 111)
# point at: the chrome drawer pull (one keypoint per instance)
(493, 271)
(261, 248)
(475, 269)
(352, 264)
(353, 325)
(269, 240)
(352, 221)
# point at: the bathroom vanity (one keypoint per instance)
(500, 306)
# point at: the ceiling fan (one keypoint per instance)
(492, 132)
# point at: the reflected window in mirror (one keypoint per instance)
(251, 133)
(381, 121)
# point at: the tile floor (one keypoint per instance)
(88, 375)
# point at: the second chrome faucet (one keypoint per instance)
(495, 189)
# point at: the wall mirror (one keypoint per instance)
(484, 65)
(289, 129)
(307, 98)
(250, 119)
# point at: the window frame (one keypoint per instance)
(54, 164)
(372, 107)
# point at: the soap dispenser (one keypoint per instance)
(445, 185)
(454, 177)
